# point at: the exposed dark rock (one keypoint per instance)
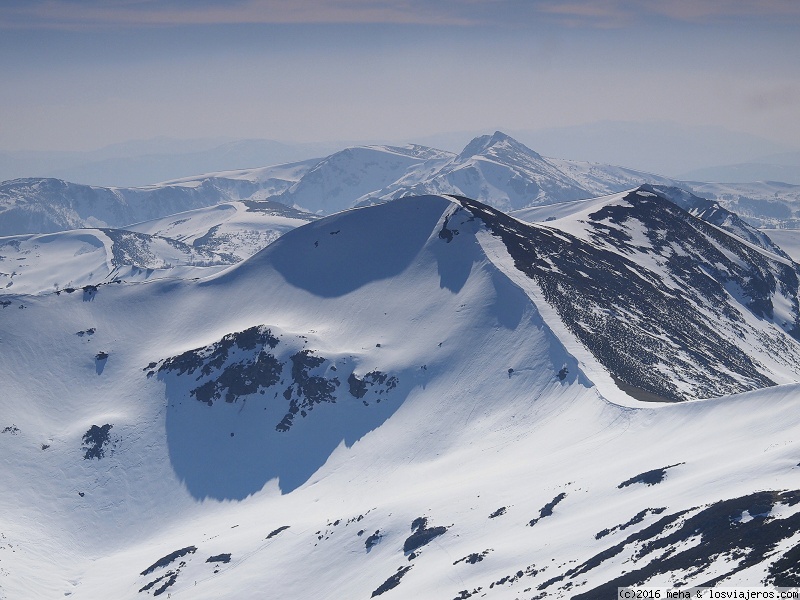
(547, 509)
(422, 534)
(473, 558)
(631, 320)
(392, 582)
(165, 560)
(651, 477)
(219, 558)
(95, 441)
(740, 527)
(635, 519)
(499, 512)
(12, 429)
(275, 532)
(464, 594)
(374, 380)
(244, 363)
(373, 540)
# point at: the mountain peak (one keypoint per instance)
(484, 143)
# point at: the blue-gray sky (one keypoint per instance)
(79, 74)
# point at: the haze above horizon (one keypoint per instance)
(83, 74)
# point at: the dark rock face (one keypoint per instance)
(275, 532)
(219, 558)
(651, 477)
(165, 560)
(634, 520)
(170, 577)
(547, 509)
(374, 380)
(373, 540)
(743, 529)
(473, 558)
(392, 582)
(251, 362)
(422, 534)
(676, 337)
(95, 441)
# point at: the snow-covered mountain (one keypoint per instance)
(50, 205)
(493, 169)
(425, 398)
(768, 204)
(347, 178)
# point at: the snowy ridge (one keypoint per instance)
(374, 405)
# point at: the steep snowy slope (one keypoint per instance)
(386, 403)
(232, 229)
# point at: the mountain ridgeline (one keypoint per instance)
(668, 303)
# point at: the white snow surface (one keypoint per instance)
(234, 229)
(479, 421)
(787, 239)
(52, 262)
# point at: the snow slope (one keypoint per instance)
(55, 262)
(235, 230)
(357, 174)
(787, 239)
(383, 403)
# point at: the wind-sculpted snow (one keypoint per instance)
(658, 296)
(278, 382)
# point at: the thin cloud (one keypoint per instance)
(623, 13)
(143, 13)
(88, 14)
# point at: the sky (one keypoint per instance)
(81, 74)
